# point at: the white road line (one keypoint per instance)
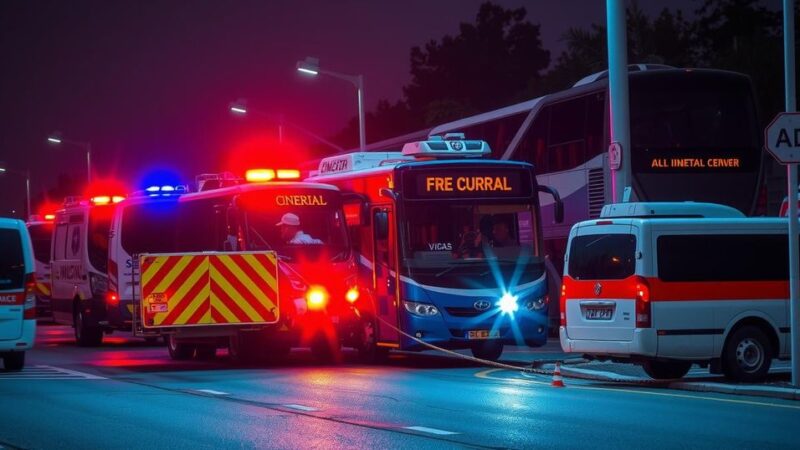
(48, 373)
(212, 392)
(431, 430)
(87, 376)
(301, 407)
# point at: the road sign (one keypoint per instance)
(782, 137)
(615, 155)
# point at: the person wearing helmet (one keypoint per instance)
(291, 232)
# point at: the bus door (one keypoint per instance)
(385, 273)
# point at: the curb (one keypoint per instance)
(751, 390)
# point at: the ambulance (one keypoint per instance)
(668, 285)
(258, 267)
(449, 247)
(79, 266)
(17, 296)
(40, 228)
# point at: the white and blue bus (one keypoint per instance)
(694, 134)
(449, 247)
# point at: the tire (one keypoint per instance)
(747, 355)
(245, 348)
(368, 350)
(489, 350)
(666, 370)
(86, 335)
(179, 351)
(14, 361)
(206, 351)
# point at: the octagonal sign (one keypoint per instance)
(782, 138)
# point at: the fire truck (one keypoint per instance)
(79, 266)
(449, 247)
(258, 267)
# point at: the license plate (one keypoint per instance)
(482, 334)
(598, 313)
(159, 307)
(157, 297)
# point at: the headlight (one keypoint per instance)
(508, 303)
(99, 284)
(421, 309)
(317, 297)
(536, 305)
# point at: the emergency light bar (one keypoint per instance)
(452, 145)
(167, 190)
(263, 175)
(106, 199)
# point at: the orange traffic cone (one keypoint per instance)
(557, 380)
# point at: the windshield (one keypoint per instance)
(41, 235)
(470, 245)
(12, 263)
(302, 225)
(149, 228)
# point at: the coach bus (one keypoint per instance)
(449, 247)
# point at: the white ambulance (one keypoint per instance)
(17, 297)
(79, 266)
(666, 285)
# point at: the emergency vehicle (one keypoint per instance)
(17, 296)
(666, 285)
(449, 247)
(40, 228)
(79, 266)
(258, 267)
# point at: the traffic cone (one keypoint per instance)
(557, 380)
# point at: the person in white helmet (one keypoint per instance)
(291, 232)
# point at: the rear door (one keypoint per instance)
(601, 287)
(12, 284)
(385, 269)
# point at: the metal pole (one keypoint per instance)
(618, 94)
(791, 176)
(28, 192)
(361, 133)
(89, 162)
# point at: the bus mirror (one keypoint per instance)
(356, 209)
(381, 225)
(558, 205)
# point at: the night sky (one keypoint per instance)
(149, 82)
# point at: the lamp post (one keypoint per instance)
(27, 175)
(56, 139)
(240, 108)
(310, 66)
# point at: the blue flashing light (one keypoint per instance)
(165, 190)
(508, 303)
(153, 189)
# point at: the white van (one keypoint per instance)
(17, 296)
(666, 285)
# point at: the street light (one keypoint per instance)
(27, 175)
(240, 108)
(310, 66)
(56, 139)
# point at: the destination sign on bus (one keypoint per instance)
(700, 161)
(467, 184)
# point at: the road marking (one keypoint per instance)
(43, 372)
(301, 407)
(486, 374)
(431, 430)
(212, 392)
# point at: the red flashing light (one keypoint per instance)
(259, 175)
(49, 217)
(316, 298)
(352, 295)
(106, 199)
(112, 298)
(562, 304)
(288, 174)
(117, 198)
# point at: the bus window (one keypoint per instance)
(533, 147)
(498, 133)
(595, 121)
(565, 146)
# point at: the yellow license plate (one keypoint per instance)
(482, 334)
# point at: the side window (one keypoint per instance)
(565, 146)
(74, 241)
(60, 242)
(533, 147)
(595, 124)
(724, 257)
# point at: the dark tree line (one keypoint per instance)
(499, 60)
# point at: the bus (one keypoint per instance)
(273, 253)
(449, 247)
(694, 133)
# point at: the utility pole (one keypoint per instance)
(619, 151)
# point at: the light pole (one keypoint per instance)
(56, 139)
(310, 66)
(27, 175)
(240, 108)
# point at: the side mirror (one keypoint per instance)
(356, 209)
(558, 214)
(381, 225)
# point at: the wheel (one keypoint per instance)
(86, 335)
(245, 348)
(14, 361)
(666, 370)
(747, 355)
(206, 351)
(368, 350)
(179, 351)
(489, 350)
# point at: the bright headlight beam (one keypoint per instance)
(508, 303)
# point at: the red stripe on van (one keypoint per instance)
(665, 291)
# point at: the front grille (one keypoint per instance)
(458, 311)
(597, 192)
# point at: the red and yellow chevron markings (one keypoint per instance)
(209, 289)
